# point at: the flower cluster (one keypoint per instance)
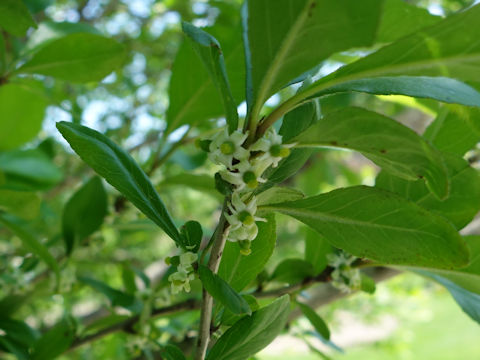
(344, 277)
(180, 280)
(244, 169)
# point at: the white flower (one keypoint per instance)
(244, 176)
(344, 277)
(180, 280)
(273, 149)
(226, 147)
(242, 219)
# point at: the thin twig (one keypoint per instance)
(207, 300)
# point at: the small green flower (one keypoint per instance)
(226, 147)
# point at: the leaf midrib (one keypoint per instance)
(274, 67)
(338, 219)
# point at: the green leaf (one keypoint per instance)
(18, 337)
(466, 277)
(317, 322)
(462, 204)
(192, 94)
(252, 333)
(292, 271)
(456, 130)
(202, 183)
(294, 123)
(128, 279)
(288, 37)
(23, 204)
(208, 48)
(229, 318)
(278, 194)
(30, 242)
(316, 250)
(171, 352)
(379, 225)
(400, 18)
(191, 236)
(116, 297)
(389, 144)
(121, 171)
(28, 170)
(79, 57)
(437, 88)
(368, 284)
(15, 17)
(222, 292)
(84, 213)
(49, 31)
(447, 49)
(54, 342)
(238, 270)
(468, 301)
(20, 123)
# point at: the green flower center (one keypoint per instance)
(227, 148)
(246, 218)
(250, 179)
(278, 150)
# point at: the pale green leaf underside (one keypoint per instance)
(288, 37)
(392, 146)
(381, 226)
(450, 48)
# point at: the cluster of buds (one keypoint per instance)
(345, 277)
(244, 168)
(180, 280)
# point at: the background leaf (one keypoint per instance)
(55, 341)
(78, 57)
(15, 17)
(20, 123)
(317, 322)
(84, 212)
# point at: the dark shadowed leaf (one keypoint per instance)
(252, 333)
(116, 297)
(55, 341)
(222, 292)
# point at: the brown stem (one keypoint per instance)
(207, 300)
